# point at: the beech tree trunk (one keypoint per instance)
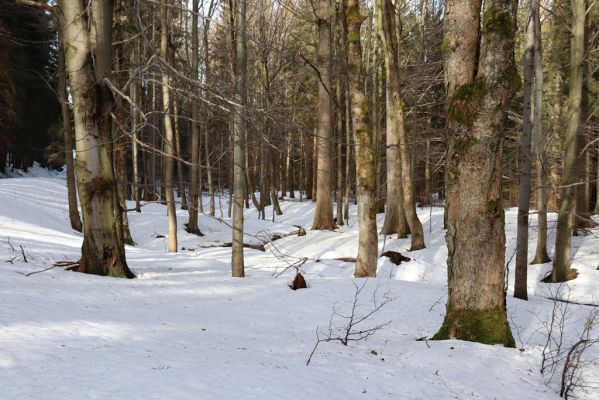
(565, 221)
(365, 170)
(323, 215)
(194, 190)
(87, 39)
(169, 169)
(68, 140)
(481, 79)
(541, 256)
(237, 262)
(520, 285)
(391, 26)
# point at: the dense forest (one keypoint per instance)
(467, 108)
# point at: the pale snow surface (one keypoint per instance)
(186, 330)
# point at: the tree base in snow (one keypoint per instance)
(482, 326)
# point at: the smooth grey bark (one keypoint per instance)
(74, 217)
(169, 139)
(541, 256)
(565, 221)
(520, 284)
(323, 215)
(237, 261)
(194, 188)
(87, 37)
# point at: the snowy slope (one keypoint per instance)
(186, 330)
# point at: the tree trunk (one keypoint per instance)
(481, 79)
(103, 251)
(565, 221)
(168, 129)
(365, 170)
(207, 115)
(391, 26)
(520, 286)
(323, 215)
(237, 262)
(541, 256)
(194, 190)
(391, 223)
(68, 140)
(180, 173)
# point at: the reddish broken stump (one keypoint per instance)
(298, 282)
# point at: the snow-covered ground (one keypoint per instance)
(186, 330)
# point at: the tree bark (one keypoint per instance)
(541, 256)
(194, 190)
(565, 221)
(168, 129)
(323, 215)
(74, 217)
(366, 262)
(237, 262)
(391, 26)
(520, 285)
(481, 79)
(87, 37)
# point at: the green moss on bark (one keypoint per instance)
(494, 207)
(482, 326)
(499, 22)
(465, 101)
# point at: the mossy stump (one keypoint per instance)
(482, 326)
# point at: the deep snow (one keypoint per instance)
(186, 330)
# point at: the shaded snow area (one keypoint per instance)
(185, 330)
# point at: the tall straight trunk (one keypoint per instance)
(323, 215)
(118, 134)
(194, 190)
(391, 223)
(565, 220)
(348, 151)
(237, 262)
(340, 135)
(365, 169)
(520, 285)
(428, 184)
(74, 217)
(180, 173)
(207, 116)
(170, 136)
(133, 94)
(541, 256)
(481, 79)
(103, 250)
(391, 26)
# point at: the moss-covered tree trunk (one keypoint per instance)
(87, 39)
(481, 78)
(365, 171)
(565, 220)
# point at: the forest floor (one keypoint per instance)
(184, 329)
